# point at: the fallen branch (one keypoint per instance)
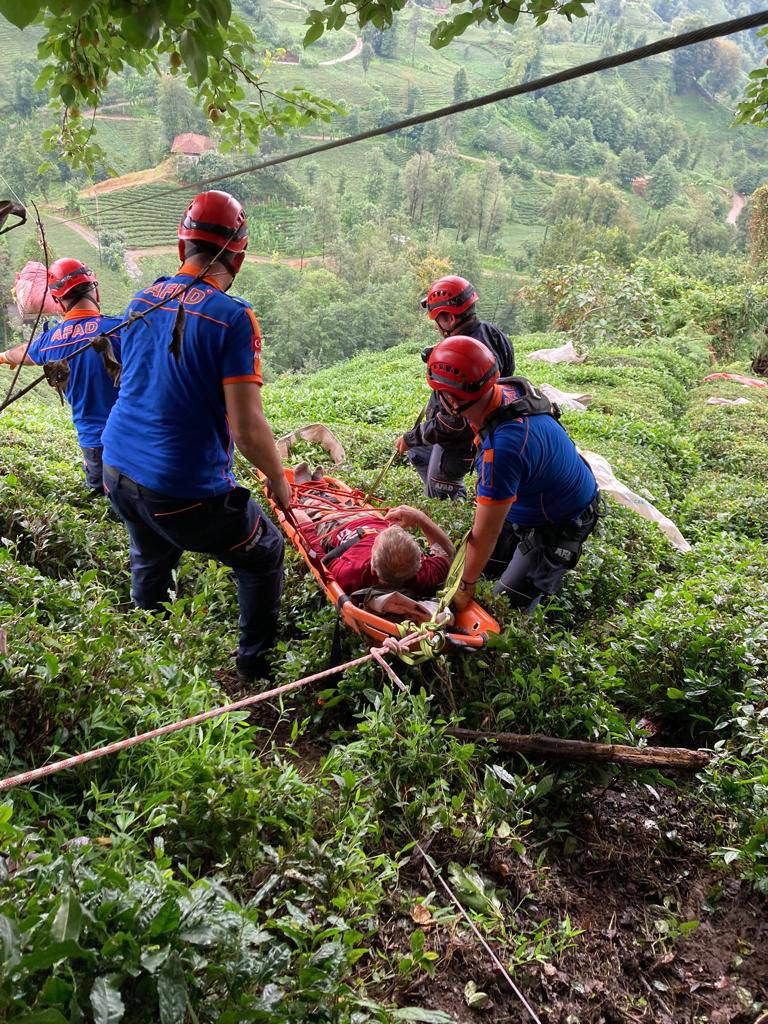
(675, 758)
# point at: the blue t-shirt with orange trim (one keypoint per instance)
(89, 391)
(168, 429)
(533, 463)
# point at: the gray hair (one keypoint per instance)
(396, 556)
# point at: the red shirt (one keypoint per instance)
(352, 570)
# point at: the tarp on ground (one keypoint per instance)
(565, 354)
(739, 378)
(608, 484)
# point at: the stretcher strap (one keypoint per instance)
(455, 574)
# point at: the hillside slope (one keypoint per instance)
(610, 895)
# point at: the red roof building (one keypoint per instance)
(190, 144)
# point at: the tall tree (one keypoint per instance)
(758, 227)
(460, 86)
(664, 186)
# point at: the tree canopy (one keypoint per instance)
(88, 41)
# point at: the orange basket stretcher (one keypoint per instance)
(470, 628)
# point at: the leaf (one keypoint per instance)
(142, 29)
(475, 999)
(223, 10)
(313, 33)
(19, 12)
(674, 694)
(68, 920)
(152, 959)
(9, 940)
(421, 915)
(194, 55)
(172, 991)
(50, 955)
(106, 1001)
(544, 786)
(165, 920)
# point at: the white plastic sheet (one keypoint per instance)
(727, 401)
(565, 354)
(608, 484)
(565, 399)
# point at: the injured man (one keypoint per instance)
(375, 553)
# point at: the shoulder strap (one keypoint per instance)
(530, 402)
(334, 553)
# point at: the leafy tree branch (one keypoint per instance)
(86, 44)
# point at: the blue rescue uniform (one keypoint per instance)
(168, 452)
(90, 391)
(532, 463)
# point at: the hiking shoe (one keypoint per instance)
(251, 669)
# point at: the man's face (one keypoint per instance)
(445, 323)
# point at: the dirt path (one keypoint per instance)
(163, 172)
(356, 50)
(737, 205)
(85, 233)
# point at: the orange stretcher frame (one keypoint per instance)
(471, 627)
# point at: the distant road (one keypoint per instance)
(737, 205)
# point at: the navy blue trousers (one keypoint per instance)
(230, 528)
(93, 469)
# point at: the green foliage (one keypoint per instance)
(88, 43)
(596, 303)
(381, 15)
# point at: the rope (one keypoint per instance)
(389, 646)
(130, 319)
(496, 962)
(44, 241)
(665, 45)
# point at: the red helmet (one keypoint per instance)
(463, 367)
(218, 218)
(66, 274)
(449, 295)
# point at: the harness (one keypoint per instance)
(334, 553)
(530, 403)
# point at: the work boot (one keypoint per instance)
(251, 669)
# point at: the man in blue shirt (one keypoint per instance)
(190, 390)
(537, 499)
(440, 448)
(89, 390)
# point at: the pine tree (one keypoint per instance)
(664, 186)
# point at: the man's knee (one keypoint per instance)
(450, 490)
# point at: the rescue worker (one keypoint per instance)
(191, 385)
(441, 448)
(89, 389)
(537, 499)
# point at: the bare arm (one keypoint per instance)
(253, 435)
(406, 516)
(486, 528)
(16, 355)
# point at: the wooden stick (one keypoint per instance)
(675, 758)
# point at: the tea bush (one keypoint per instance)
(238, 871)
